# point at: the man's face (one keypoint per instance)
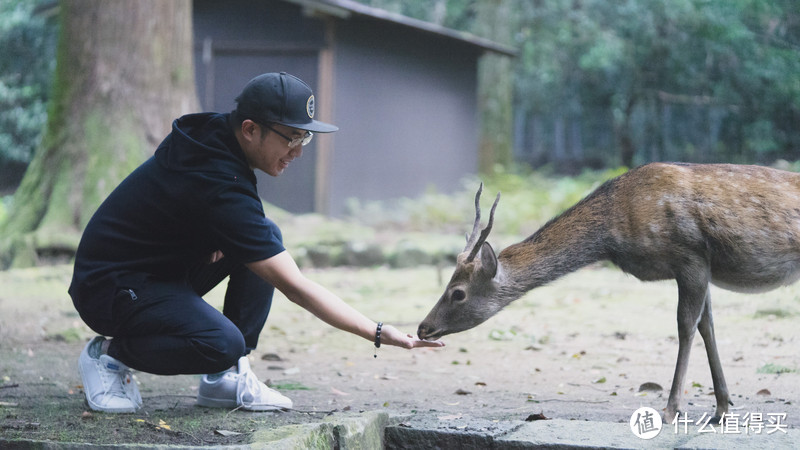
(267, 150)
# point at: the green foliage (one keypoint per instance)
(630, 82)
(27, 61)
(5, 206)
(528, 200)
(775, 369)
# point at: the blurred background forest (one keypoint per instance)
(597, 84)
(601, 83)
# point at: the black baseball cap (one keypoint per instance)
(283, 99)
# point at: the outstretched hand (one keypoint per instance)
(392, 336)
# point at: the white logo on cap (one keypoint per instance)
(310, 107)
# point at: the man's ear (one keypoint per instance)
(249, 129)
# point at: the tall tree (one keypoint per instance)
(124, 70)
(495, 87)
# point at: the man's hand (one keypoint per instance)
(392, 336)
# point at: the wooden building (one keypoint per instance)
(403, 93)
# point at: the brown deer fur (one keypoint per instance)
(737, 227)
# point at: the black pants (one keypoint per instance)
(166, 328)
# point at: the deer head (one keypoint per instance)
(470, 296)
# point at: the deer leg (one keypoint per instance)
(691, 300)
(706, 328)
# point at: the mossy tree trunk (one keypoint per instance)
(495, 88)
(124, 70)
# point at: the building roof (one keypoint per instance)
(345, 9)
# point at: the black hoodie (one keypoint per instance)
(196, 195)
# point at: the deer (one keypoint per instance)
(734, 226)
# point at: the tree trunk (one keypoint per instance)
(124, 70)
(627, 149)
(495, 86)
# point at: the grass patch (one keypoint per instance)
(773, 312)
(775, 369)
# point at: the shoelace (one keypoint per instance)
(255, 388)
(112, 381)
(252, 386)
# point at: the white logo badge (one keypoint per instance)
(646, 423)
(310, 107)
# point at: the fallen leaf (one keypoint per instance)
(162, 424)
(764, 392)
(87, 415)
(463, 392)
(480, 383)
(226, 433)
(338, 392)
(650, 387)
(535, 417)
(600, 380)
(271, 357)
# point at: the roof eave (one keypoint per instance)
(344, 9)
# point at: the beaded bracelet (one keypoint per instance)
(378, 338)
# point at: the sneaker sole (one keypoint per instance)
(209, 402)
(262, 408)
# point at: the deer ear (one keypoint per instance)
(488, 260)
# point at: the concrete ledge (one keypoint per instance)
(422, 433)
(376, 430)
(358, 432)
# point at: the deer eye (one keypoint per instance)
(458, 295)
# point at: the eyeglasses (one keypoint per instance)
(293, 142)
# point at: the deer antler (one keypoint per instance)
(475, 241)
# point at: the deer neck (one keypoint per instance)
(565, 244)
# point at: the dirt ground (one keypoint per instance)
(577, 349)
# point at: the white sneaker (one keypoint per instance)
(240, 388)
(107, 383)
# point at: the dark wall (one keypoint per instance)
(237, 40)
(404, 99)
(406, 106)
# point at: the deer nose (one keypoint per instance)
(423, 331)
